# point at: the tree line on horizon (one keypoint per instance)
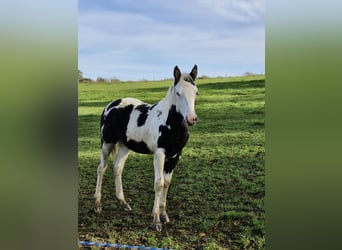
(82, 79)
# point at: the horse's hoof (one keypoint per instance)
(128, 207)
(164, 219)
(157, 227)
(98, 209)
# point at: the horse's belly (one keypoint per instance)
(138, 147)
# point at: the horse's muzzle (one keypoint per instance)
(191, 120)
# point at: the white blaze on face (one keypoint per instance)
(186, 95)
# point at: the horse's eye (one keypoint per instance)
(177, 93)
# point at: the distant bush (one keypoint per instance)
(249, 74)
(203, 77)
(85, 80)
(114, 80)
(100, 79)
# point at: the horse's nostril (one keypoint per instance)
(191, 120)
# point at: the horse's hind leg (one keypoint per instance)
(107, 148)
(119, 164)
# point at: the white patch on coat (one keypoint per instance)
(128, 101)
(149, 132)
(124, 103)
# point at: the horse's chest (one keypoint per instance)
(174, 134)
(173, 139)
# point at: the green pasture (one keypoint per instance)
(216, 198)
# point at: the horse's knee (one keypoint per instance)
(167, 179)
(107, 148)
(159, 184)
(167, 183)
(117, 171)
(101, 169)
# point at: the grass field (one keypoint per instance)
(216, 198)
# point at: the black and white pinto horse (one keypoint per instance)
(160, 129)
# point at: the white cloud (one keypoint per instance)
(135, 45)
(220, 11)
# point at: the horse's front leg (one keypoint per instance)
(158, 162)
(167, 181)
(169, 165)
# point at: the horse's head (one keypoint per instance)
(185, 92)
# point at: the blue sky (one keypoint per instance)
(145, 39)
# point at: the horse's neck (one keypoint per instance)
(168, 100)
(167, 104)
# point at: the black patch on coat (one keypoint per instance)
(115, 124)
(170, 163)
(111, 105)
(101, 124)
(174, 136)
(114, 103)
(153, 106)
(139, 147)
(143, 108)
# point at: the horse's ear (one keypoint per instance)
(176, 74)
(193, 72)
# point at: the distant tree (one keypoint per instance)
(203, 77)
(80, 75)
(248, 73)
(100, 79)
(114, 79)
